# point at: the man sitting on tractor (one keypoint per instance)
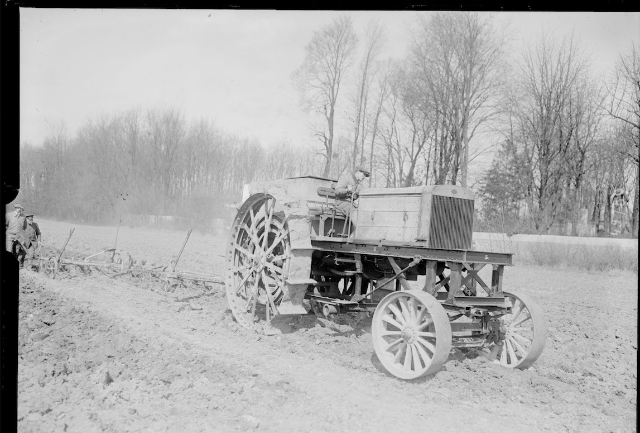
(15, 225)
(33, 235)
(348, 188)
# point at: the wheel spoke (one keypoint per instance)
(427, 334)
(408, 354)
(421, 314)
(280, 257)
(494, 352)
(251, 233)
(519, 322)
(243, 251)
(400, 352)
(254, 221)
(267, 226)
(271, 304)
(276, 241)
(516, 310)
(394, 343)
(241, 285)
(417, 365)
(254, 294)
(426, 344)
(405, 310)
(519, 329)
(503, 355)
(387, 318)
(275, 269)
(512, 353)
(423, 354)
(412, 311)
(267, 310)
(386, 333)
(425, 324)
(517, 345)
(249, 300)
(398, 314)
(521, 338)
(241, 268)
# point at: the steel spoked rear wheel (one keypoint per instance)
(411, 334)
(257, 261)
(525, 334)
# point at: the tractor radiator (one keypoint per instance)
(436, 216)
(451, 223)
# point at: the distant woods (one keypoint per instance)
(151, 162)
(563, 139)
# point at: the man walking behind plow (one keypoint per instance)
(33, 236)
(15, 225)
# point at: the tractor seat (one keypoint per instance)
(327, 192)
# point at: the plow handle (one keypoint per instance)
(175, 262)
(117, 230)
(65, 244)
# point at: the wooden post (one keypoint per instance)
(496, 280)
(472, 284)
(358, 288)
(455, 279)
(430, 277)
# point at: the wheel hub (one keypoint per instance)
(408, 335)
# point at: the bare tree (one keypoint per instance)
(624, 100)
(404, 130)
(542, 98)
(624, 106)
(390, 131)
(329, 55)
(457, 64)
(56, 171)
(166, 131)
(585, 117)
(374, 42)
(383, 88)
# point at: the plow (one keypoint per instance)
(403, 255)
(114, 263)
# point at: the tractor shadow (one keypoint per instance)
(339, 326)
(456, 354)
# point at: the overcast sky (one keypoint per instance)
(232, 67)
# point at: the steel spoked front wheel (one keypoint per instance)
(257, 261)
(524, 331)
(411, 334)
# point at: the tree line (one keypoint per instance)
(563, 138)
(152, 162)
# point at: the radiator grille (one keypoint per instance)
(451, 223)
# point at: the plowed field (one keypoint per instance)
(101, 354)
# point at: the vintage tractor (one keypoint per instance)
(404, 254)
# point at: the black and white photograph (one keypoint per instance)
(226, 220)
